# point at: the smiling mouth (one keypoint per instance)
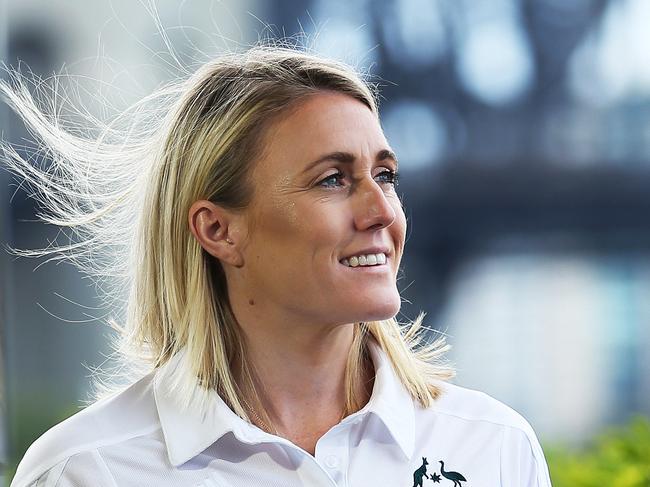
(366, 260)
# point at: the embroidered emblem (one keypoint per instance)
(453, 476)
(419, 473)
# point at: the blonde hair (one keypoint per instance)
(125, 192)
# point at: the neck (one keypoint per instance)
(299, 377)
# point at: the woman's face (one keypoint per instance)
(308, 219)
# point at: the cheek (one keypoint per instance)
(304, 227)
(277, 219)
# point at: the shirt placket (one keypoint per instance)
(332, 453)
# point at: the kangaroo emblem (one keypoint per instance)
(420, 472)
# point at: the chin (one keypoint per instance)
(375, 309)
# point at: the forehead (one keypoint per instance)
(321, 123)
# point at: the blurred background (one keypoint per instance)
(523, 131)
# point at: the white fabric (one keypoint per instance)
(139, 437)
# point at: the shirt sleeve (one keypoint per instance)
(81, 470)
(522, 460)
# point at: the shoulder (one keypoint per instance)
(472, 406)
(481, 418)
(115, 419)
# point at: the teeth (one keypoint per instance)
(365, 260)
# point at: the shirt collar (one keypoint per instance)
(390, 401)
(188, 432)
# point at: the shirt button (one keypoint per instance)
(332, 461)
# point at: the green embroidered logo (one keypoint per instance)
(421, 473)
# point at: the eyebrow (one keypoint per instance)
(349, 158)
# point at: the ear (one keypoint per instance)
(217, 231)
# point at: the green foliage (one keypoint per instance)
(619, 457)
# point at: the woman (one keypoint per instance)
(264, 239)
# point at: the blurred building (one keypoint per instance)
(523, 131)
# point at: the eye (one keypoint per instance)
(389, 176)
(331, 180)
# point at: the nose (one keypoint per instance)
(373, 210)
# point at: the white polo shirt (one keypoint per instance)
(139, 437)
